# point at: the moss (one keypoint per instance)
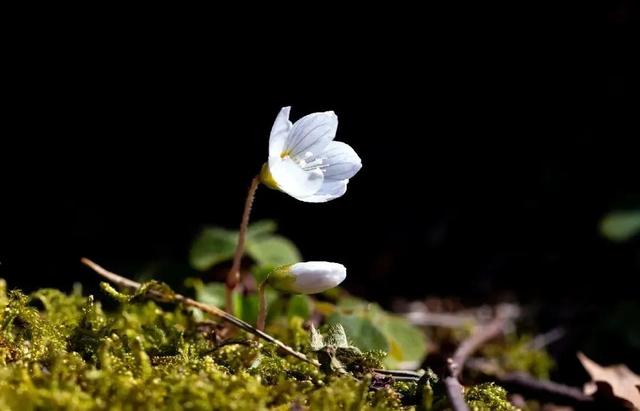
(349, 394)
(63, 351)
(515, 354)
(488, 397)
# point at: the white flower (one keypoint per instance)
(307, 278)
(305, 162)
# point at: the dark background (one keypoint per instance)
(493, 142)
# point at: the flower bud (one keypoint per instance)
(307, 278)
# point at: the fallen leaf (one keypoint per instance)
(622, 380)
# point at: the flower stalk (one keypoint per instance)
(233, 276)
(262, 306)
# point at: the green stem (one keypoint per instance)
(233, 277)
(262, 306)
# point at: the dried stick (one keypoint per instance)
(209, 309)
(455, 364)
(215, 311)
(546, 390)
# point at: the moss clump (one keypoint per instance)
(516, 354)
(488, 397)
(63, 351)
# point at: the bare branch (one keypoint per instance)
(465, 349)
(545, 390)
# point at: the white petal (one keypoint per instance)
(330, 190)
(340, 161)
(280, 132)
(311, 134)
(292, 179)
(316, 276)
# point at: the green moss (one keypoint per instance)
(515, 354)
(488, 397)
(63, 351)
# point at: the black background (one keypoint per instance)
(493, 142)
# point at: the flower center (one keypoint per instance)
(307, 163)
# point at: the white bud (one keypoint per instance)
(308, 278)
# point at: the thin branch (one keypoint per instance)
(471, 344)
(209, 309)
(455, 394)
(526, 384)
(545, 390)
(445, 320)
(400, 374)
(455, 364)
(542, 340)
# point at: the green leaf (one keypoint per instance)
(249, 305)
(210, 293)
(407, 344)
(213, 246)
(621, 225)
(214, 294)
(361, 332)
(337, 336)
(216, 245)
(249, 309)
(299, 305)
(273, 250)
(261, 228)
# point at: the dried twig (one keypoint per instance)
(456, 363)
(544, 390)
(215, 311)
(543, 340)
(209, 309)
(527, 384)
(445, 320)
(401, 374)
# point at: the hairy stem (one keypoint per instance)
(233, 277)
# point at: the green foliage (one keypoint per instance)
(336, 355)
(246, 305)
(621, 225)
(371, 328)
(63, 351)
(60, 351)
(516, 354)
(363, 333)
(407, 345)
(273, 251)
(261, 229)
(349, 394)
(300, 306)
(215, 245)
